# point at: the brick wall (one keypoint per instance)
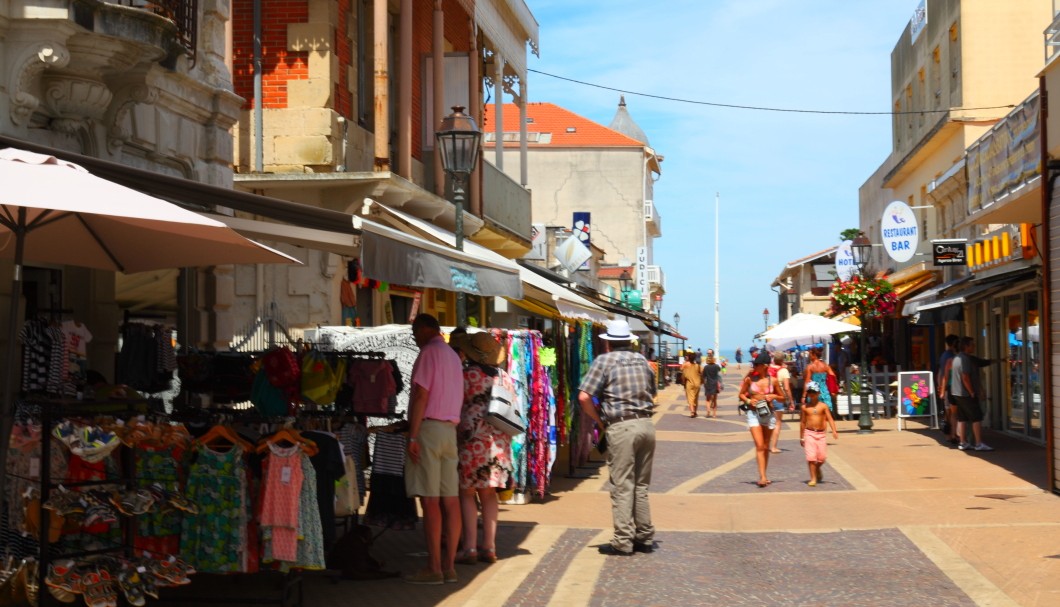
(278, 64)
(456, 40)
(344, 50)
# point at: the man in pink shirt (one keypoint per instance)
(435, 399)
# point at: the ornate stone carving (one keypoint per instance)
(127, 97)
(34, 59)
(67, 96)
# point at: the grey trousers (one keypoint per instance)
(630, 452)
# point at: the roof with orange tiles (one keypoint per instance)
(614, 272)
(565, 129)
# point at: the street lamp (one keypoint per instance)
(860, 249)
(765, 319)
(458, 140)
(677, 325)
(625, 282)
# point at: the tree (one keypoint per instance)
(849, 234)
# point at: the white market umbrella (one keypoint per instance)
(805, 329)
(56, 212)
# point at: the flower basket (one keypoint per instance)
(866, 297)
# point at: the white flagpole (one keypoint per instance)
(717, 279)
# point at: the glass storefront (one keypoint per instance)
(1008, 332)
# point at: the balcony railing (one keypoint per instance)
(1052, 35)
(505, 201)
(183, 13)
(652, 219)
(656, 277)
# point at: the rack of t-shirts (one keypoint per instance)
(284, 382)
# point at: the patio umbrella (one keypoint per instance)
(56, 212)
(805, 329)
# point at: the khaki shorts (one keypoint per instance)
(436, 475)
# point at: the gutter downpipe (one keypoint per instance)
(259, 116)
(1046, 335)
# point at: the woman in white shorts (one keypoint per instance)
(757, 391)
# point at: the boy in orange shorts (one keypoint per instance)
(816, 417)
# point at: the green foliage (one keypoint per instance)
(849, 234)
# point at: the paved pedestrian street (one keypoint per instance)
(901, 519)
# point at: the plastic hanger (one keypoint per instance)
(221, 433)
(292, 436)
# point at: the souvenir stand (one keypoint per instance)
(245, 475)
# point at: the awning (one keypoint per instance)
(638, 326)
(951, 307)
(393, 256)
(913, 304)
(567, 303)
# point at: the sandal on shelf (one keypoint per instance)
(64, 576)
(133, 503)
(32, 582)
(131, 585)
(487, 556)
(469, 557)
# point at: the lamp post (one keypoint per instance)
(458, 139)
(625, 283)
(677, 325)
(860, 249)
(793, 299)
(658, 337)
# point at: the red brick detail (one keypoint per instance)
(457, 33)
(279, 66)
(343, 102)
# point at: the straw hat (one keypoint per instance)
(479, 347)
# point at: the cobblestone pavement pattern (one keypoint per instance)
(900, 519)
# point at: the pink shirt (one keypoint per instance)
(438, 370)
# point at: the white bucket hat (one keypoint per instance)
(617, 330)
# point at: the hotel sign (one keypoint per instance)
(950, 252)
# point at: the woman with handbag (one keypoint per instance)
(822, 373)
(485, 451)
(757, 391)
(711, 385)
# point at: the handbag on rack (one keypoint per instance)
(347, 491)
(502, 413)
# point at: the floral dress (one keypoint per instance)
(485, 452)
(213, 540)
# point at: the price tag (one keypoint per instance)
(285, 475)
(34, 467)
(141, 569)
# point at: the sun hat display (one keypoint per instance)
(812, 386)
(617, 330)
(479, 347)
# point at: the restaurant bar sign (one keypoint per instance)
(950, 252)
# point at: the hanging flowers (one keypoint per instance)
(866, 297)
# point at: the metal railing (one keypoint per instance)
(183, 13)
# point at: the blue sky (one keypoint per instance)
(788, 181)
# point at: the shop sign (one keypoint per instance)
(918, 22)
(900, 231)
(642, 269)
(844, 262)
(538, 242)
(950, 252)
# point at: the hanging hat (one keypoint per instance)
(479, 347)
(812, 386)
(617, 330)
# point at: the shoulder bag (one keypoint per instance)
(502, 413)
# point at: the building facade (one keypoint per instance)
(968, 165)
(574, 165)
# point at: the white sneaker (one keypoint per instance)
(983, 447)
(964, 446)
